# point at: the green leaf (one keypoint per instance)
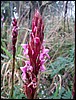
(6, 51)
(4, 56)
(3, 44)
(67, 95)
(56, 93)
(17, 93)
(18, 50)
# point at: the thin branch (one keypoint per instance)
(26, 12)
(13, 67)
(65, 13)
(25, 29)
(43, 6)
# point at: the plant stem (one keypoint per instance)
(35, 95)
(13, 67)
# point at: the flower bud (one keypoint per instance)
(14, 34)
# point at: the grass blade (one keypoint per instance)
(6, 51)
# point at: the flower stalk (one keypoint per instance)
(14, 39)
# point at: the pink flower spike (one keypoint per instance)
(42, 68)
(36, 54)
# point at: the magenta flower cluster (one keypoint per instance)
(14, 34)
(36, 53)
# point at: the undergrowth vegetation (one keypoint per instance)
(57, 81)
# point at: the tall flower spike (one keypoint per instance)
(36, 53)
(14, 39)
(14, 34)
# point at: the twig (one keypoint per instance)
(43, 6)
(3, 97)
(65, 14)
(23, 15)
(53, 86)
(25, 29)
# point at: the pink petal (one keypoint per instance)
(43, 43)
(41, 56)
(36, 40)
(42, 62)
(24, 46)
(23, 76)
(47, 56)
(27, 63)
(32, 35)
(45, 50)
(29, 68)
(23, 69)
(42, 68)
(35, 29)
(32, 52)
(25, 52)
(27, 56)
